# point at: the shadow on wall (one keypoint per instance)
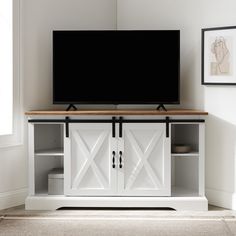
(220, 162)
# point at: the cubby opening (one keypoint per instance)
(186, 135)
(43, 167)
(48, 139)
(49, 154)
(185, 165)
(184, 176)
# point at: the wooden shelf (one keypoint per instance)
(191, 154)
(119, 112)
(50, 152)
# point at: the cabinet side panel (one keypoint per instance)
(31, 169)
(202, 159)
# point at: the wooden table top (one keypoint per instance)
(118, 112)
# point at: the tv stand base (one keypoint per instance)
(161, 106)
(198, 203)
(71, 106)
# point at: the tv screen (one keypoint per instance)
(116, 67)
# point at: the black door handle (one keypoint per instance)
(113, 159)
(120, 158)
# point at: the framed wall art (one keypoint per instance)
(219, 56)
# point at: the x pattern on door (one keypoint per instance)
(90, 155)
(143, 162)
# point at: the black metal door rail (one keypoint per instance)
(115, 120)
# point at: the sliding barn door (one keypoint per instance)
(145, 157)
(89, 152)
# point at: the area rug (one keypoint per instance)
(118, 223)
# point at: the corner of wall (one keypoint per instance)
(221, 198)
(13, 198)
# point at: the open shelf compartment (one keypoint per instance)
(185, 134)
(184, 177)
(48, 154)
(185, 166)
(48, 139)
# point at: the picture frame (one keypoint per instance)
(219, 56)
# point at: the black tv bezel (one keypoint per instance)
(114, 102)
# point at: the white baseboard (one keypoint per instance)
(234, 201)
(13, 198)
(221, 198)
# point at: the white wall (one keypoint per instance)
(221, 125)
(13, 179)
(190, 16)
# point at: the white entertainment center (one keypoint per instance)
(117, 158)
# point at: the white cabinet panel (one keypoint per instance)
(146, 160)
(88, 160)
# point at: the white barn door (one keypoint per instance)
(89, 152)
(145, 152)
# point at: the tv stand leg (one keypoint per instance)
(71, 106)
(161, 106)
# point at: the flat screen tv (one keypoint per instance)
(116, 67)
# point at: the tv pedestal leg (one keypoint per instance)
(161, 106)
(71, 106)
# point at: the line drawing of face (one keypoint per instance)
(221, 52)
